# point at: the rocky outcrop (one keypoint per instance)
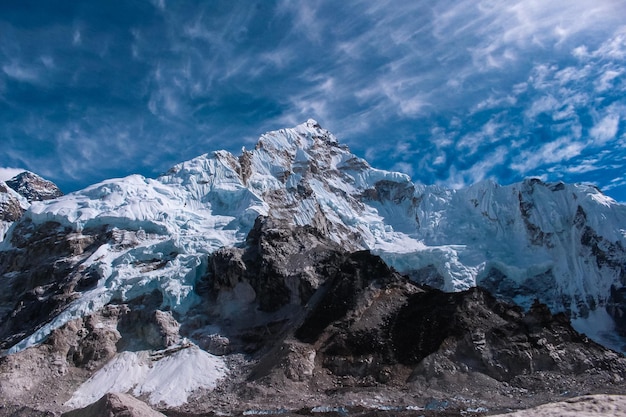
(44, 377)
(261, 289)
(17, 193)
(47, 375)
(585, 406)
(371, 320)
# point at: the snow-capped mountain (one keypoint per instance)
(33, 187)
(563, 244)
(139, 256)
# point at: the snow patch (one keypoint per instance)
(172, 379)
(169, 380)
(123, 372)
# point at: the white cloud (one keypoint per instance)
(159, 4)
(403, 167)
(305, 22)
(403, 95)
(544, 104)
(480, 170)
(605, 129)
(562, 149)
(572, 74)
(77, 38)
(8, 173)
(47, 61)
(606, 79)
(440, 159)
(582, 168)
(469, 143)
(493, 102)
(164, 102)
(491, 57)
(615, 183)
(489, 133)
(614, 48)
(21, 72)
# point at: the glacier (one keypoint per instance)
(562, 244)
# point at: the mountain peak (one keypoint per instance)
(312, 123)
(307, 136)
(33, 187)
(12, 206)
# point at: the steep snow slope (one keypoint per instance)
(521, 231)
(563, 244)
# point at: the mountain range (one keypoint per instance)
(295, 276)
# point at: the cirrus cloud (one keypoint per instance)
(451, 91)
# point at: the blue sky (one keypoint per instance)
(450, 92)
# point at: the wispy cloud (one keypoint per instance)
(452, 91)
(558, 151)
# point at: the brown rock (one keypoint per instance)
(115, 405)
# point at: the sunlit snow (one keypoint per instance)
(168, 380)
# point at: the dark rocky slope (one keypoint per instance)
(364, 331)
(33, 187)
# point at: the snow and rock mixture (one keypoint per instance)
(17, 193)
(12, 206)
(229, 277)
(563, 244)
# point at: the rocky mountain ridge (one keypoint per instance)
(270, 270)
